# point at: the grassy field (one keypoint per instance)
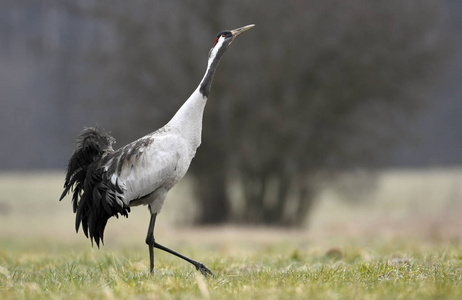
(404, 242)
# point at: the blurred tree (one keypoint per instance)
(317, 87)
(328, 87)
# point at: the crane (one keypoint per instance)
(105, 182)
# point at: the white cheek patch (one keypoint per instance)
(214, 51)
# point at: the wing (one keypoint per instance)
(142, 167)
(105, 181)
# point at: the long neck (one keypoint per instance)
(188, 119)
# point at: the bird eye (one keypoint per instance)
(223, 35)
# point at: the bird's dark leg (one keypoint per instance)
(151, 241)
(199, 266)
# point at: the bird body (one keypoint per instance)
(163, 162)
(108, 182)
(150, 166)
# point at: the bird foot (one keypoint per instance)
(204, 270)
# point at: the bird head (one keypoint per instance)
(222, 42)
(225, 38)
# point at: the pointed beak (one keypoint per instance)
(238, 31)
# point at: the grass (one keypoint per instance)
(382, 249)
(275, 273)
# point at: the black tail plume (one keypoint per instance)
(90, 187)
(92, 143)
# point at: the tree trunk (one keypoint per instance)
(274, 213)
(212, 199)
(253, 190)
(305, 203)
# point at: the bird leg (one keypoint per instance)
(199, 266)
(151, 241)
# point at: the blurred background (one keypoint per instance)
(328, 114)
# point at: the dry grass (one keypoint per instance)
(404, 242)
